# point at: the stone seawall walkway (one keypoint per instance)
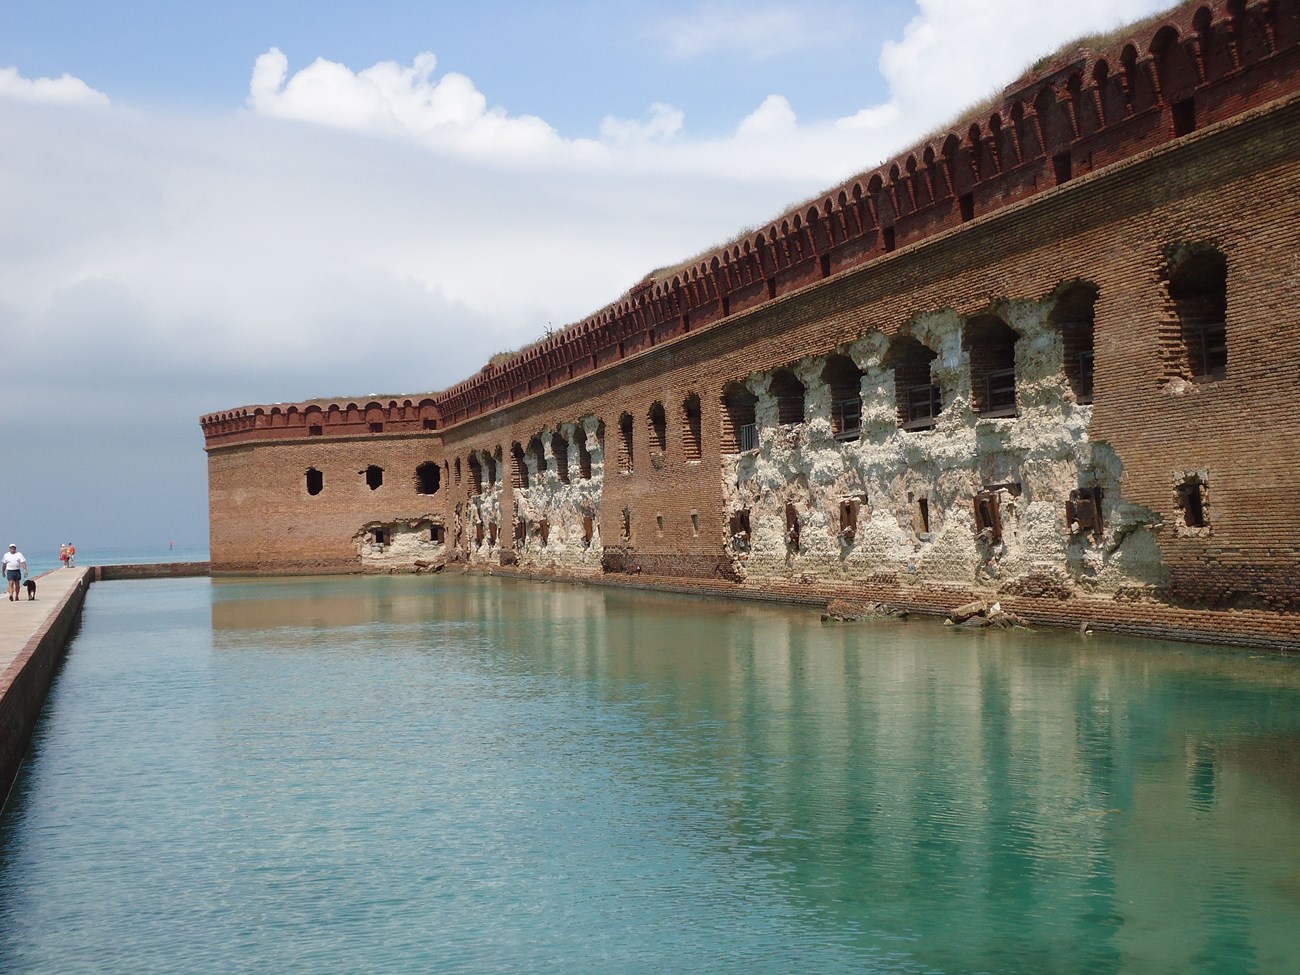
(21, 621)
(33, 634)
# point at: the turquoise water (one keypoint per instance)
(451, 774)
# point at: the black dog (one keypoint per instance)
(31, 588)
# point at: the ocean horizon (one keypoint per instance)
(40, 561)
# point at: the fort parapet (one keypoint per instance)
(1045, 355)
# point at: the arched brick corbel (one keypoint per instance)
(1100, 78)
(820, 230)
(764, 257)
(875, 189)
(927, 159)
(1073, 92)
(725, 271)
(999, 137)
(747, 263)
(1202, 38)
(1147, 66)
(866, 204)
(915, 185)
(677, 296)
(974, 139)
(695, 292)
(1128, 74)
(788, 251)
(951, 150)
(1041, 104)
(841, 217)
(1162, 43)
(799, 251)
(815, 232)
(1268, 13)
(902, 205)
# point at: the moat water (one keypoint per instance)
(465, 775)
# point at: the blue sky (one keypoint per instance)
(209, 205)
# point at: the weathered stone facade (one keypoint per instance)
(1050, 358)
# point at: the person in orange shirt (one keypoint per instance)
(72, 553)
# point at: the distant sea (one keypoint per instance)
(42, 561)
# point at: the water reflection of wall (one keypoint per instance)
(1039, 801)
(944, 789)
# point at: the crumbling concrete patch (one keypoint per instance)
(917, 491)
(400, 545)
(561, 510)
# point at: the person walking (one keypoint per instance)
(72, 554)
(15, 567)
(63, 554)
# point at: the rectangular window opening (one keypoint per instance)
(1083, 511)
(988, 516)
(739, 528)
(850, 508)
(1191, 501)
(924, 404)
(920, 515)
(887, 235)
(967, 204)
(846, 418)
(1086, 375)
(1206, 336)
(1001, 394)
(1061, 166)
(1184, 113)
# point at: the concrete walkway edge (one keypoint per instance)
(26, 676)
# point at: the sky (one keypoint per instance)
(206, 206)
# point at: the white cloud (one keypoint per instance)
(955, 52)
(952, 53)
(664, 122)
(760, 31)
(449, 113)
(65, 90)
(775, 115)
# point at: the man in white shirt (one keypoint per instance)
(15, 567)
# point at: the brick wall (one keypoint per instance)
(1136, 196)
